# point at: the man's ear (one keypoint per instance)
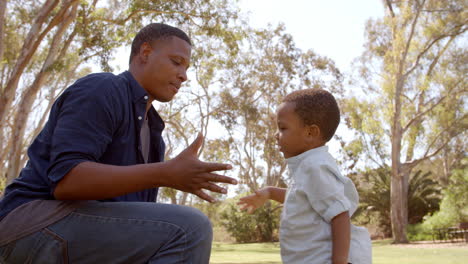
(145, 50)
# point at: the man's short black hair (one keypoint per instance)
(316, 107)
(153, 32)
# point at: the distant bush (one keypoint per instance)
(454, 205)
(261, 226)
(419, 232)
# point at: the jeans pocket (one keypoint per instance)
(5, 252)
(51, 249)
(43, 247)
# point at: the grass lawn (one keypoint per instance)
(383, 253)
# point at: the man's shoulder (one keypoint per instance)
(101, 79)
(100, 84)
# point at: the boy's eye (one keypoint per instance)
(176, 62)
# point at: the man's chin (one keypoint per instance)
(165, 99)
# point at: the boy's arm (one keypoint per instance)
(341, 236)
(276, 193)
(254, 201)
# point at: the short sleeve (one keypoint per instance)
(85, 124)
(324, 191)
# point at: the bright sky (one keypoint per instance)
(333, 28)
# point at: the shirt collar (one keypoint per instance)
(294, 162)
(138, 92)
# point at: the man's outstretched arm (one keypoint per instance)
(96, 181)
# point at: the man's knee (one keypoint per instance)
(200, 222)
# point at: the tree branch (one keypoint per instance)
(418, 116)
(122, 21)
(3, 7)
(429, 45)
(390, 8)
(426, 155)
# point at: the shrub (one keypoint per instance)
(418, 232)
(261, 226)
(454, 205)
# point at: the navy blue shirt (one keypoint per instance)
(96, 119)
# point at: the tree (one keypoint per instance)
(44, 45)
(413, 72)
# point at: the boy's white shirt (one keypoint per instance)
(317, 193)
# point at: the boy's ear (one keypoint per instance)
(313, 131)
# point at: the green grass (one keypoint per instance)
(256, 253)
(382, 251)
(385, 253)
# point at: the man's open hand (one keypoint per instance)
(189, 174)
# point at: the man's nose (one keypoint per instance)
(182, 75)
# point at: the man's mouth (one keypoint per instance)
(175, 87)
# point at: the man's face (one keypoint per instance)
(165, 67)
(292, 133)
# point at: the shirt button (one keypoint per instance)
(146, 97)
(139, 118)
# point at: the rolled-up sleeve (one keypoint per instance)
(325, 192)
(85, 125)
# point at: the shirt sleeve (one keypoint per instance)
(86, 121)
(324, 191)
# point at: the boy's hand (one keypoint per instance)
(254, 201)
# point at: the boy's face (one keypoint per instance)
(293, 136)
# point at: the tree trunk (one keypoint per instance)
(31, 44)
(399, 188)
(30, 94)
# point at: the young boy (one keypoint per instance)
(315, 223)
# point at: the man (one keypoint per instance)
(87, 192)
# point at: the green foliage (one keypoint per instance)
(261, 226)
(454, 205)
(374, 191)
(419, 232)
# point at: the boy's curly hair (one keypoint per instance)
(316, 107)
(155, 31)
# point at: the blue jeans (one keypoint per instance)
(118, 232)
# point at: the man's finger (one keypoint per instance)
(210, 166)
(213, 177)
(196, 144)
(204, 196)
(214, 188)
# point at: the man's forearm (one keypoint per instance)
(95, 181)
